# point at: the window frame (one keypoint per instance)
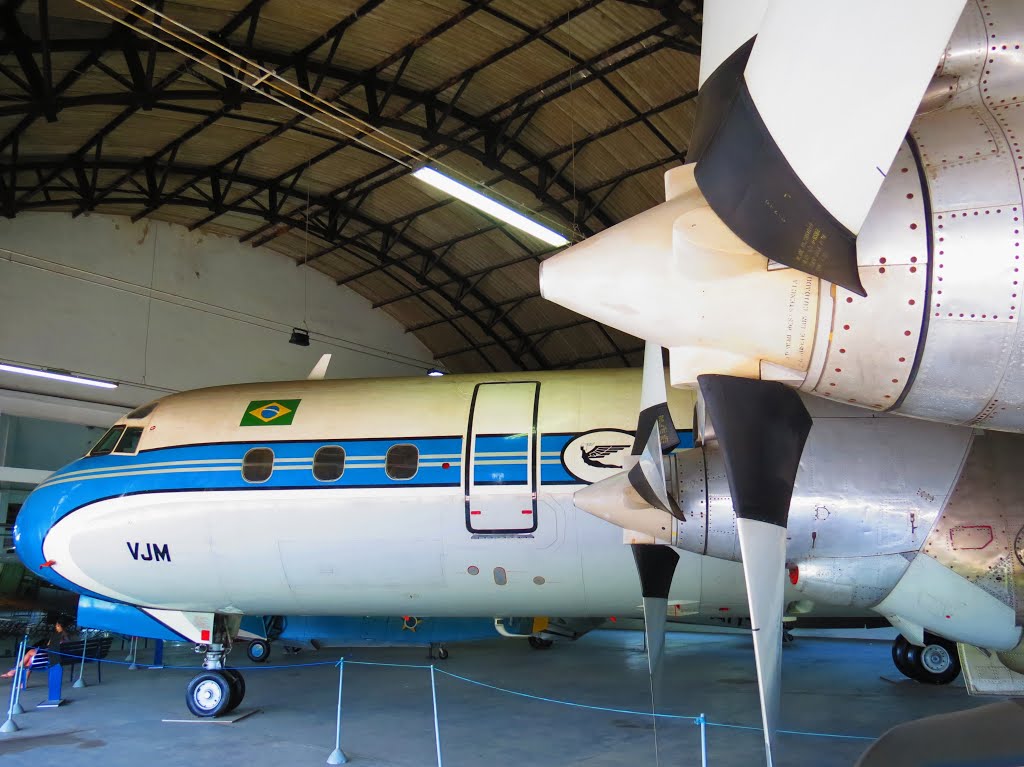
(95, 451)
(273, 459)
(117, 448)
(387, 457)
(344, 457)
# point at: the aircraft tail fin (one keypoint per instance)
(319, 371)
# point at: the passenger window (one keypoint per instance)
(402, 461)
(130, 441)
(329, 463)
(107, 441)
(258, 465)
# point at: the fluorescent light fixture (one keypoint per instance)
(491, 207)
(435, 372)
(67, 377)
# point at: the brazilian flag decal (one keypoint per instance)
(270, 412)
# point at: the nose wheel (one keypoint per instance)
(217, 690)
(936, 662)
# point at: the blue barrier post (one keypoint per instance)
(437, 729)
(55, 675)
(703, 724)
(337, 755)
(9, 725)
(158, 654)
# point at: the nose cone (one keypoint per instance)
(40, 511)
(29, 531)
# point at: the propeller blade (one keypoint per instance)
(655, 565)
(761, 428)
(784, 156)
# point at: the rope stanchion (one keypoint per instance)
(703, 739)
(337, 755)
(80, 682)
(437, 729)
(20, 677)
(10, 725)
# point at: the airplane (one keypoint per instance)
(448, 497)
(846, 228)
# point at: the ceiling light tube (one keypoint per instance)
(491, 207)
(67, 377)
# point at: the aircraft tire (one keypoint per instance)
(209, 694)
(935, 663)
(900, 647)
(540, 644)
(237, 688)
(442, 653)
(258, 650)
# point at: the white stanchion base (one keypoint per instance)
(9, 726)
(337, 757)
(18, 709)
(79, 683)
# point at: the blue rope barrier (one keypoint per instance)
(505, 690)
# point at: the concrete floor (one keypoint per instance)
(830, 685)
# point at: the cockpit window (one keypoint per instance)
(142, 412)
(107, 441)
(130, 441)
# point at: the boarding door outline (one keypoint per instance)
(501, 458)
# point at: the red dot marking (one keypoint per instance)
(914, 226)
(839, 370)
(842, 351)
(446, 465)
(911, 302)
(906, 332)
(903, 359)
(846, 327)
(849, 300)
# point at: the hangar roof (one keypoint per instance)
(570, 109)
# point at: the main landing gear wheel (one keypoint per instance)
(258, 650)
(209, 694)
(935, 663)
(540, 644)
(237, 688)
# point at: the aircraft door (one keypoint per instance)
(501, 459)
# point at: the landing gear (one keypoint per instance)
(540, 644)
(438, 651)
(934, 663)
(258, 650)
(209, 694)
(237, 688)
(217, 690)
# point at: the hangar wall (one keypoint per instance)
(158, 308)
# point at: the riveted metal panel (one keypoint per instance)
(692, 492)
(965, 55)
(1006, 408)
(966, 158)
(722, 540)
(977, 264)
(960, 369)
(874, 340)
(974, 313)
(1004, 23)
(979, 532)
